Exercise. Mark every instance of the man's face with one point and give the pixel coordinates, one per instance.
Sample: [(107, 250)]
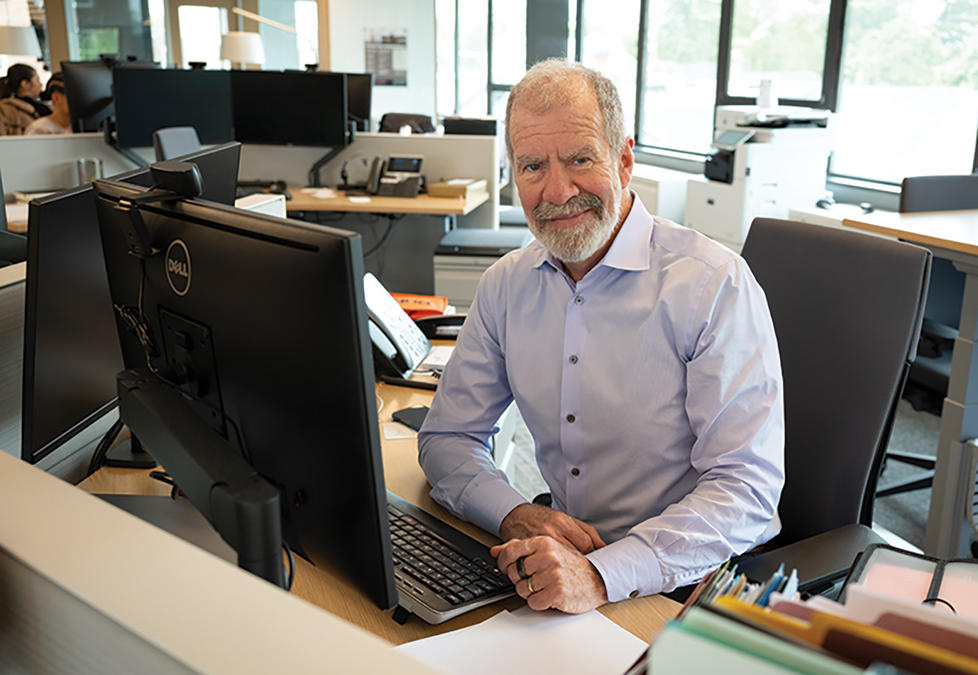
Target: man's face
[(569, 180)]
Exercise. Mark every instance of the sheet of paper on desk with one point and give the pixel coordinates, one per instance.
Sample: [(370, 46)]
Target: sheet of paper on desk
[(319, 193), (437, 357), (531, 642), (396, 430)]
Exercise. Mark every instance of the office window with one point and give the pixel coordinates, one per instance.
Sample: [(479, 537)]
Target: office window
[(445, 56), (781, 41), (201, 29), (609, 44), (124, 29), (680, 74), (909, 96), (473, 48), (508, 41), (307, 31)]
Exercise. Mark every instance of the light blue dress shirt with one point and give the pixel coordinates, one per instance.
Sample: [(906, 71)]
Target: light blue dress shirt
[(651, 387)]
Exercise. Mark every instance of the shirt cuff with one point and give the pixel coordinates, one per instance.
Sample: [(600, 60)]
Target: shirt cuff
[(489, 501), (629, 569)]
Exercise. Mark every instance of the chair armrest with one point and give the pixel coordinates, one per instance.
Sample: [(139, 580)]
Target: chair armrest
[(820, 559)]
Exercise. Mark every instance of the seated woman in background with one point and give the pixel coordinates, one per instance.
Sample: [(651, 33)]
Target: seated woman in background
[(59, 121), (18, 100)]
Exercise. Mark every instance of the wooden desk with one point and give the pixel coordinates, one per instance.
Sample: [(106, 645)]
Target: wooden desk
[(952, 235), (644, 617), (422, 204)]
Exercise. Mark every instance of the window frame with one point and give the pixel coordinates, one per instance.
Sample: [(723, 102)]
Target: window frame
[(831, 65), (831, 83)]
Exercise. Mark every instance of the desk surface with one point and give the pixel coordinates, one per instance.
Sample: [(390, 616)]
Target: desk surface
[(953, 230), (644, 617), (422, 204)]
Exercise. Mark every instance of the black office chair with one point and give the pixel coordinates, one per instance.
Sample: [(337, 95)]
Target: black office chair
[(931, 370), (419, 123), (839, 402), (174, 142)]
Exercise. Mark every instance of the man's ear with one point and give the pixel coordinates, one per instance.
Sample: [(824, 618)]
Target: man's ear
[(626, 162)]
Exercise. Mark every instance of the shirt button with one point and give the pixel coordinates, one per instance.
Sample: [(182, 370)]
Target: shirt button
[(571, 418), (633, 594), (579, 300), (573, 358), (575, 471)]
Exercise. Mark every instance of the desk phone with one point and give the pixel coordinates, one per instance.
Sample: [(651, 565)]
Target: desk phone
[(399, 345)]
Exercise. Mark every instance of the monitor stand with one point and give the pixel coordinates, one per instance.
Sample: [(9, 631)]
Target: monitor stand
[(129, 454)]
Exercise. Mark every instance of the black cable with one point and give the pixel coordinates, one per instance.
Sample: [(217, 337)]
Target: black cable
[(163, 477), (373, 249), (291, 558), (935, 600), (103, 447)]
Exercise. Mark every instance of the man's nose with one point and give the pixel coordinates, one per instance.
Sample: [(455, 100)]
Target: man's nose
[(559, 186)]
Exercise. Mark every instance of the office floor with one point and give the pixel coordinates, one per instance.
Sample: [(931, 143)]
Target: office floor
[(905, 515)]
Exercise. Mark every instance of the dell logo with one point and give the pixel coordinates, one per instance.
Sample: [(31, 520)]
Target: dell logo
[(178, 267)]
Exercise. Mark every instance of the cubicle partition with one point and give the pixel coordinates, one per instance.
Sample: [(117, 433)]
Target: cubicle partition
[(48, 163)]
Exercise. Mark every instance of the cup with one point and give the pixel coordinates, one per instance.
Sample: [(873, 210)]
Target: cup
[(88, 169)]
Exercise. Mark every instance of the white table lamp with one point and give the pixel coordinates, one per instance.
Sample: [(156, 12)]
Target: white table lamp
[(240, 48), (19, 41)]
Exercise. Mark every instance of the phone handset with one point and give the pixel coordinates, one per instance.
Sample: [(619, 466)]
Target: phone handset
[(399, 345)]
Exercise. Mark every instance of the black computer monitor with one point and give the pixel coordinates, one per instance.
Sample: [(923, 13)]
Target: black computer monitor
[(71, 350), (259, 324), (147, 100), (289, 108), (359, 92), (88, 87)]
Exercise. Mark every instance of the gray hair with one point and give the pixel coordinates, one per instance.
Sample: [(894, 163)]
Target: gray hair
[(549, 83)]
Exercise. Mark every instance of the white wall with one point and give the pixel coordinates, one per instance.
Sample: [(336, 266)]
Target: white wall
[(347, 21)]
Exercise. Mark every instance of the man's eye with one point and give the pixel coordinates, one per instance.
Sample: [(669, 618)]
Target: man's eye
[(580, 161), (531, 167)]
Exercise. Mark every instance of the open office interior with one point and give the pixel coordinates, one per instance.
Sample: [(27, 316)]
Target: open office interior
[(385, 119)]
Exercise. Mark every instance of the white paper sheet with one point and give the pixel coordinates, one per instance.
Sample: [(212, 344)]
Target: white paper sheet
[(437, 357), (531, 642), (395, 430)]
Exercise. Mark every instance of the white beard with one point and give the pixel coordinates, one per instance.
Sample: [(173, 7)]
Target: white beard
[(578, 243)]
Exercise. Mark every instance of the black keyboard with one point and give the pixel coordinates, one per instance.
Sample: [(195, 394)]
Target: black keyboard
[(433, 558)]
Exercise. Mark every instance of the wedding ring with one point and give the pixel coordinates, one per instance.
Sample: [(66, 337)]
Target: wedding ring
[(529, 585), (519, 568)]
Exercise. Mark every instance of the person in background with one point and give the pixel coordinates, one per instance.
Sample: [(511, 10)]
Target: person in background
[(19, 104), (642, 356), (59, 121)]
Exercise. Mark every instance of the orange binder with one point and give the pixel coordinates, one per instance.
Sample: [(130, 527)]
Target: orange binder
[(418, 306)]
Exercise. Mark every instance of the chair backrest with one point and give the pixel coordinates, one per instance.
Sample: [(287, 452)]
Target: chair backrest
[(941, 193), (174, 142), (419, 123), (847, 309)]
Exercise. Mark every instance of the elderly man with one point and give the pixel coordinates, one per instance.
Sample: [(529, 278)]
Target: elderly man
[(642, 357)]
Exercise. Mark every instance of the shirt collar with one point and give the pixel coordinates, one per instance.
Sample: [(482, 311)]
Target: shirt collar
[(629, 250)]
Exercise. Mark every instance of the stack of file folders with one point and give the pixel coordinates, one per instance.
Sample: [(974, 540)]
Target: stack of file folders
[(898, 612)]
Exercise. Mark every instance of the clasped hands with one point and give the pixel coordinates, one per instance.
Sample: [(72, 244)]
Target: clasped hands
[(551, 545)]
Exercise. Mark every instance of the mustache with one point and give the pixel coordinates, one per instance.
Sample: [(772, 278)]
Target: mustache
[(585, 200)]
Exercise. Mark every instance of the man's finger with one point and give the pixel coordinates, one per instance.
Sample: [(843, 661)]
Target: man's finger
[(592, 532)]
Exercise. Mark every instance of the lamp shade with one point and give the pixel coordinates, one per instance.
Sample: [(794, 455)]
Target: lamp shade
[(241, 47), (19, 41)]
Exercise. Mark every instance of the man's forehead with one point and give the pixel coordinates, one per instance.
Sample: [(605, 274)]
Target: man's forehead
[(559, 129)]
